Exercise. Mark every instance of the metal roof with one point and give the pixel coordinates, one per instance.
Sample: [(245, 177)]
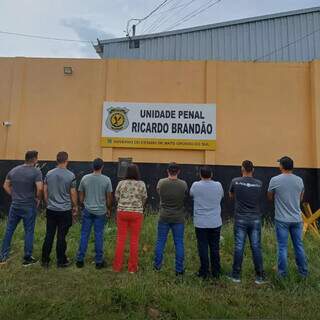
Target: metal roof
[(286, 36)]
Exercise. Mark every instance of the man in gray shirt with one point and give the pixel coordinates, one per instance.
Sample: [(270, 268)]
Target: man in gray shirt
[(207, 195), (60, 195), (95, 192), (24, 184), (287, 191)]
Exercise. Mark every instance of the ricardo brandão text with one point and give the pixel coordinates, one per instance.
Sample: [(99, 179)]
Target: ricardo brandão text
[(174, 127)]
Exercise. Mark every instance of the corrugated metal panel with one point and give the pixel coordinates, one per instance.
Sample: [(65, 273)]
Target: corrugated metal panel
[(281, 38)]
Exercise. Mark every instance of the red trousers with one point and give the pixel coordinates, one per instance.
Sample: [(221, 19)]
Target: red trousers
[(127, 222)]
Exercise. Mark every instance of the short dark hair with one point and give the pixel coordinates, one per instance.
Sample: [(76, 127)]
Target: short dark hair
[(133, 172), (97, 164), (62, 157), (206, 172), (31, 155), (286, 163), (247, 165), (173, 168)]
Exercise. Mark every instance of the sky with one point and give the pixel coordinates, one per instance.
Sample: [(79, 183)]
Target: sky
[(105, 19)]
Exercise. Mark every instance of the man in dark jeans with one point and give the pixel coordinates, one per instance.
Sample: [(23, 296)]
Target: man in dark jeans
[(172, 191), (207, 195), (246, 191), (24, 184), (60, 195)]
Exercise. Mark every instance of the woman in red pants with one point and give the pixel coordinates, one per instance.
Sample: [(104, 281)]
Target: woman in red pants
[(131, 195)]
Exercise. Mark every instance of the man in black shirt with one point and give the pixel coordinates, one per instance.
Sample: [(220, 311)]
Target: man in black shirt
[(246, 191)]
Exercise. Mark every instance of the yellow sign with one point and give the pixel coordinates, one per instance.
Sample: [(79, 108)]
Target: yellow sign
[(158, 143), (159, 126)]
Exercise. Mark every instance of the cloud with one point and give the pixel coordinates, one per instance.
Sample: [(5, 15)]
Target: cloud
[(85, 29), (89, 20)]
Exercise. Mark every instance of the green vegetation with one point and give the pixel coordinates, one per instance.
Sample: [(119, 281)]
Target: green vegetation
[(35, 293)]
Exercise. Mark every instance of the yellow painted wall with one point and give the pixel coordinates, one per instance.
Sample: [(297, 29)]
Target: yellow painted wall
[(6, 82), (264, 110)]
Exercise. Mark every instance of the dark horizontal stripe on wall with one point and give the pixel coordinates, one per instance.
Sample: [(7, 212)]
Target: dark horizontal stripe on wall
[(151, 173)]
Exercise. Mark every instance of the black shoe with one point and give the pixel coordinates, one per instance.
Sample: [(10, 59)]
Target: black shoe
[(28, 261), (45, 264), (179, 274), (65, 264), (100, 265), (79, 264), (157, 269)]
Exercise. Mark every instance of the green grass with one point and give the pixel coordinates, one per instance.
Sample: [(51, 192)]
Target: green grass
[(35, 293)]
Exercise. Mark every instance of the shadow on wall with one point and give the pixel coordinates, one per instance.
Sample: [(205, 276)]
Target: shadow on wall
[(151, 173)]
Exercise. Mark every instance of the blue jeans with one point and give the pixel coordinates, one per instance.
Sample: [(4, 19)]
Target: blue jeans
[(283, 229), (98, 222), (28, 216), (252, 229), (178, 235)]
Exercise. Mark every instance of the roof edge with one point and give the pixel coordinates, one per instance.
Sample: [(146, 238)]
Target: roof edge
[(215, 25)]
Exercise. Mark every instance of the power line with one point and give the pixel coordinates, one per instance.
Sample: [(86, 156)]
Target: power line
[(160, 16), (166, 19), (33, 36), (286, 45), (163, 3), (194, 13)]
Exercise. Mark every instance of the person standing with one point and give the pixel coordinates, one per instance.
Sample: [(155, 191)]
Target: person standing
[(60, 195), (287, 191), (95, 192), (207, 195), (131, 195), (172, 192), (247, 191), (24, 184)]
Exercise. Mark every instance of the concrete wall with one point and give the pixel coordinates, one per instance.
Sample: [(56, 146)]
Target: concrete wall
[(264, 110)]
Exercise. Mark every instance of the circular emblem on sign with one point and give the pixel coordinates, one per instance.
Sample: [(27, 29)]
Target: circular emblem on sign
[(117, 119)]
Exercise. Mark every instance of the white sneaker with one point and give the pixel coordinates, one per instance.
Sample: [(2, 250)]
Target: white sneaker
[(234, 279), (260, 281)]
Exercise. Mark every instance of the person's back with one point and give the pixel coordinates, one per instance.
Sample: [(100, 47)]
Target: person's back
[(23, 180), (60, 195), (247, 191), (247, 194), (131, 196), (207, 196), (287, 191), (95, 188), (59, 182), (95, 192), (24, 184), (172, 194)]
